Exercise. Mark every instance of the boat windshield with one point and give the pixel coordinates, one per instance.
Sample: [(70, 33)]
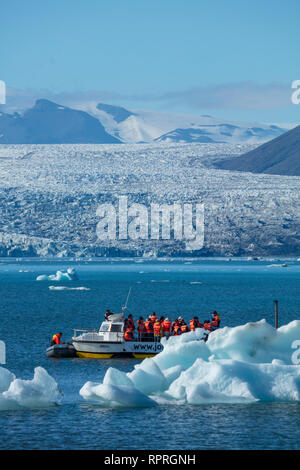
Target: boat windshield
[(112, 327), (104, 327), (116, 328)]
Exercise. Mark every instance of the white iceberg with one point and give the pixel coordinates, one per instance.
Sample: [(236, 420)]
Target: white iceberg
[(69, 275), (244, 364), (40, 392)]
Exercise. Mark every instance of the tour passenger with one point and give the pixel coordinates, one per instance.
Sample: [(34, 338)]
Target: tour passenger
[(56, 339), (141, 328)]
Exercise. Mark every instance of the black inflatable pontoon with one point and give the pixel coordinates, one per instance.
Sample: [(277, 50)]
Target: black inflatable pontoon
[(61, 350)]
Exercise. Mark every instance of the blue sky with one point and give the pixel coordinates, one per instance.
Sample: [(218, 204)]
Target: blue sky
[(227, 58)]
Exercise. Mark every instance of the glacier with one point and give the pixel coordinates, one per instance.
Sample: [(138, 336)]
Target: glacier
[(50, 194), (244, 364)]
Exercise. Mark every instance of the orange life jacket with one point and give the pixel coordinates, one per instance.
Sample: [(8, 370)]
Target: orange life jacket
[(206, 326), (131, 323), (157, 328), (195, 324), (148, 326), (184, 328), (140, 326), (177, 330), (166, 326), (56, 338), (215, 323), (128, 335)]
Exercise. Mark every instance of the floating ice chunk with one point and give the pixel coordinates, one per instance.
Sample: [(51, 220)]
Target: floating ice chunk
[(116, 377), (70, 275), (182, 351), (6, 377), (40, 392), (67, 288), (115, 396), (254, 342), (148, 378), (172, 374), (231, 381), (248, 363)]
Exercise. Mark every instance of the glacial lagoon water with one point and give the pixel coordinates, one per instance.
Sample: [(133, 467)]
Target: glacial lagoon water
[(240, 290)]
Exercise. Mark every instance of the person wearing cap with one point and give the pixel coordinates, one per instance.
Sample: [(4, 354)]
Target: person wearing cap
[(166, 326)]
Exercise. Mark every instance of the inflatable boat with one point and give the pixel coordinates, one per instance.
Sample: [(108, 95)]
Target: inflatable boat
[(61, 350)]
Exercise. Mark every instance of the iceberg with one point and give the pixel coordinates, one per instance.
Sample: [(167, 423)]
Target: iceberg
[(115, 396), (40, 392), (69, 275), (243, 364)]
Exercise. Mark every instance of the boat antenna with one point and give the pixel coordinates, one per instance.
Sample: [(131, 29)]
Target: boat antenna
[(124, 308)]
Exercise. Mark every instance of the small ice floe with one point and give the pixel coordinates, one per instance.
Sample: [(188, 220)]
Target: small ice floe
[(68, 288), (160, 280), (40, 392), (195, 282), (69, 275), (284, 265)]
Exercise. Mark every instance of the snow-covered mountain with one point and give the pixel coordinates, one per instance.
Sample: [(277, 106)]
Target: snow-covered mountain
[(48, 123), (147, 126), (51, 123)]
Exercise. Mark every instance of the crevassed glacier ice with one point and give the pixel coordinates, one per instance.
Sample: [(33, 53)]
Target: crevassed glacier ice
[(40, 392), (244, 364), (69, 275)]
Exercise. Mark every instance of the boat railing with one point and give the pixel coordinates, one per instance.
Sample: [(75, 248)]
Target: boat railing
[(80, 331)]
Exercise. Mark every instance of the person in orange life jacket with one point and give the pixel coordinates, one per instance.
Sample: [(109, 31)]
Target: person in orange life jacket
[(157, 328), (148, 330), (184, 327), (140, 328), (216, 317), (214, 324), (194, 323), (131, 322), (177, 329), (207, 325), (56, 339), (162, 319), (166, 326), (128, 334), (175, 323), (153, 317)]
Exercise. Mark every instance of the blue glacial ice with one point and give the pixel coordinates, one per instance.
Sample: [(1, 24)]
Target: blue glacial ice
[(40, 392), (69, 275), (244, 364)]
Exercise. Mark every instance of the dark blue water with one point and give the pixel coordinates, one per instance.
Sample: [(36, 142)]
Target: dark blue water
[(30, 313)]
